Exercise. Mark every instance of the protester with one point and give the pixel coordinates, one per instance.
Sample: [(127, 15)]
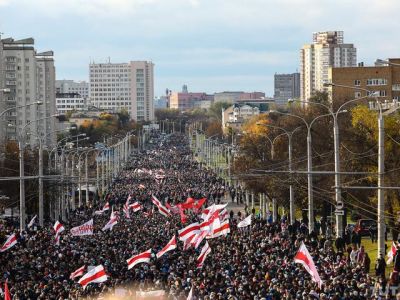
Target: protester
[(256, 262)]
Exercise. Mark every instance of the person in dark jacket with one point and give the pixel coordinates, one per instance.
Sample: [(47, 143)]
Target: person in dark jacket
[(396, 260), (380, 266)]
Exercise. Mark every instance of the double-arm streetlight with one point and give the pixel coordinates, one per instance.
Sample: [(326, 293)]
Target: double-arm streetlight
[(21, 144), (41, 142), (289, 135), (338, 192), (309, 165), (381, 163)]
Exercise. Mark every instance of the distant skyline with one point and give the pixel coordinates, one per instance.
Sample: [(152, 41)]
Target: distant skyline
[(210, 45)]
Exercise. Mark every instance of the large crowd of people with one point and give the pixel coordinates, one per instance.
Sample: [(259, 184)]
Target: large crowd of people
[(256, 262)]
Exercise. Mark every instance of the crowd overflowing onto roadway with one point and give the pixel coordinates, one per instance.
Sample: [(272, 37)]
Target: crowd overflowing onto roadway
[(255, 261)]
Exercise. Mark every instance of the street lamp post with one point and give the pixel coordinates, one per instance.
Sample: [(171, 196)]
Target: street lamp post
[(22, 173), (309, 166), (290, 147), (381, 164)]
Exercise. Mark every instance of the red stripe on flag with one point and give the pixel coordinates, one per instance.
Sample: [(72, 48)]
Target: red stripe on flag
[(93, 277)]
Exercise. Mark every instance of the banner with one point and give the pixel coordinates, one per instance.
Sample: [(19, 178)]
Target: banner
[(84, 229), (158, 294)]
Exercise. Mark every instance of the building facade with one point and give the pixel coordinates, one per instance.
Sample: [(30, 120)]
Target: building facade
[(235, 115), (286, 86), (30, 77), (327, 50), (127, 86), (161, 102), (187, 101), (69, 102), (382, 79), (71, 86), (228, 96)]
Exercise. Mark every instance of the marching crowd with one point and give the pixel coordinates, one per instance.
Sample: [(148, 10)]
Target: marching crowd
[(255, 262)]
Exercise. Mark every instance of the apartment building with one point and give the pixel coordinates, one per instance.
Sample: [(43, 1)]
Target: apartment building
[(130, 86), (286, 86), (30, 77), (70, 86), (384, 80), (327, 50), (70, 102)]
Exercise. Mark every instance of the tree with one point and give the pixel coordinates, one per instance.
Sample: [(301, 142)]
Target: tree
[(214, 128), (215, 111)]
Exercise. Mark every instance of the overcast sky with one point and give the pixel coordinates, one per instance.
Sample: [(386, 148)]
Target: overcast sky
[(210, 45)]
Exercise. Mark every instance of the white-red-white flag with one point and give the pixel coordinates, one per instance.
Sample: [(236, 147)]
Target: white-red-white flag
[(32, 221), (84, 229), (9, 243), (220, 230), (126, 207), (391, 253), (245, 222), (188, 231), (207, 212), (135, 206), (170, 246), (106, 206), (143, 257), (203, 255), (161, 208), (113, 221), (199, 238), (58, 228), (188, 242), (77, 273), (303, 257), (95, 275)]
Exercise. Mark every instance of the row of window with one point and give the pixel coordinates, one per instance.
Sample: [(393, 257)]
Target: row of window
[(15, 59), (70, 101), (372, 81), (381, 93), (109, 89), (109, 94), (113, 104), (70, 106)]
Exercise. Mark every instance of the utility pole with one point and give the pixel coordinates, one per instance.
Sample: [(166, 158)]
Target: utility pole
[(381, 195), (21, 186), (40, 183)]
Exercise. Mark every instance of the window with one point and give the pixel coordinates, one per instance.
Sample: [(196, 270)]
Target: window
[(396, 87), (357, 82), (377, 81)]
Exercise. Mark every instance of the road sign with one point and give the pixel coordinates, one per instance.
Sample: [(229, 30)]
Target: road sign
[(339, 212), (339, 205)]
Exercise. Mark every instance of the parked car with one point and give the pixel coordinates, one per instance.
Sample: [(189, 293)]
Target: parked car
[(363, 225)]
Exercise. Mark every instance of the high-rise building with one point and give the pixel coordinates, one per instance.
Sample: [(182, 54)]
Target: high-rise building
[(71, 86), (327, 50), (286, 86), (30, 77), (130, 86)]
